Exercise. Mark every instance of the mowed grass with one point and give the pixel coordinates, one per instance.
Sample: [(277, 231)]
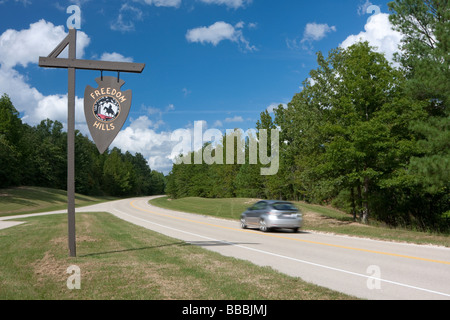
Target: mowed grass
[(230, 208), (23, 200), (315, 218), (119, 260)]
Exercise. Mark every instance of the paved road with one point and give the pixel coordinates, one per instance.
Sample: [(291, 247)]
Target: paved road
[(364, 268)]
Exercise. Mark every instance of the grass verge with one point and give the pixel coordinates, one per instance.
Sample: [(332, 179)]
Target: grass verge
[(23, 200), (315, 217), (119, 260)]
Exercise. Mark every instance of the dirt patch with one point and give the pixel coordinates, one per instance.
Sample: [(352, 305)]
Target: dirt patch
[(49, 266)]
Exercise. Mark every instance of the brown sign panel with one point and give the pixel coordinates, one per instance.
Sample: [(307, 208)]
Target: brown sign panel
[(106, 109)]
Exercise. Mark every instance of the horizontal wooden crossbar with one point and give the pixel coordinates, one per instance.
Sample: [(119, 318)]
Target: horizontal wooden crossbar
[(49, 62)]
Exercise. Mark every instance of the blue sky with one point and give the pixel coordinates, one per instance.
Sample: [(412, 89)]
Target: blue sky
[(221, 62)]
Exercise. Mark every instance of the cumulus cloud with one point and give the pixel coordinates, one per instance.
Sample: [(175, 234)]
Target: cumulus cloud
[(379, 33), (218, 32), (159, 148), (21, 48), (313, 32), (33, 105), (155, 147), (26, 46), (114, 56), (316, 32), (39, 40)]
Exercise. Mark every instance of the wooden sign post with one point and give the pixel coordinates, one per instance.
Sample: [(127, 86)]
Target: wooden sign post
[(72, 64)]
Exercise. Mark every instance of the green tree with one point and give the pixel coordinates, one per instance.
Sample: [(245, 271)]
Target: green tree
[(157, 183), (88, 170), (425, 59), (10, 153), (143, 173), (118, 175), (180, 179), (345, 129), (47, 155)]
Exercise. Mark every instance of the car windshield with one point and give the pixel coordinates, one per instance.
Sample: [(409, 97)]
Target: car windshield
[(284, 206)]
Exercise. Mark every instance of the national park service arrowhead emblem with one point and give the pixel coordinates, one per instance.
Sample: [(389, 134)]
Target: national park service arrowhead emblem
[(106, 109)]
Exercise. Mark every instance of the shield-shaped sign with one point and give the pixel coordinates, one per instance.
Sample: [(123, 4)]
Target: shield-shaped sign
[(106, 109)]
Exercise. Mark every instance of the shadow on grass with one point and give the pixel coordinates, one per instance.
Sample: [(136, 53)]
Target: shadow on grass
[(180, 244), (135, 249)]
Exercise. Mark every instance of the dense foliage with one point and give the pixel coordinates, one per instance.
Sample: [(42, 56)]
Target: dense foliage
[(37, 156), (363, 135)]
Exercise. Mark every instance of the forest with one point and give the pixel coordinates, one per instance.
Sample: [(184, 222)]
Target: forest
[(365, 135), (37, 156)]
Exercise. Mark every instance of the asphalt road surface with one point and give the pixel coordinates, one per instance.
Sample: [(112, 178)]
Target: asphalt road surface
[(369, 269)]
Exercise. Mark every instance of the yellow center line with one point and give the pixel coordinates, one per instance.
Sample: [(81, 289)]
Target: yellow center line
[(293, 239)]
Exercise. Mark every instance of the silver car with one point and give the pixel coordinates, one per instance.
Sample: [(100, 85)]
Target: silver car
[(272, 214)]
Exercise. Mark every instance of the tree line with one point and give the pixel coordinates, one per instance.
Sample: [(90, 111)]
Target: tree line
[(37, 156), (362, 135)]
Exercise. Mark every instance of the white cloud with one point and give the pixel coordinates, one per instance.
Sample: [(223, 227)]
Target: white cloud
[(160, 149), (23, 48), (235, 4), (379, 33), (34, 106), (114, 56), (234, 119), (213, 34), (26, 46), (155, 147), (316, 32), (145, 122), (218, 32), (313, 32)]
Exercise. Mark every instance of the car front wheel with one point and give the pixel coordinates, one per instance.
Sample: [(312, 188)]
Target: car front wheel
[(243, 224)]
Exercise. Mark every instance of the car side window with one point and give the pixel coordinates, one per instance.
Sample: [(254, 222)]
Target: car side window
[(259, 206), (263, 206)]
